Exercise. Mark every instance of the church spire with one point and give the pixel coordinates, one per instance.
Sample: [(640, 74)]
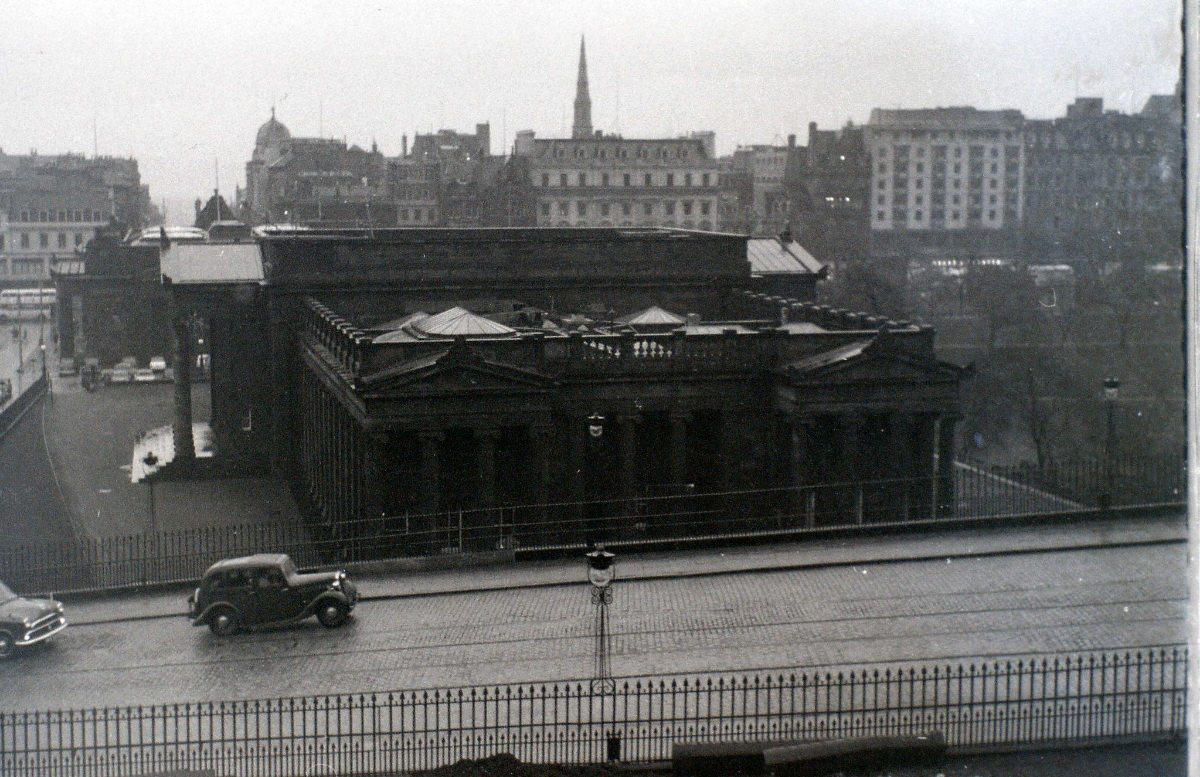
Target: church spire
[(583, 101)]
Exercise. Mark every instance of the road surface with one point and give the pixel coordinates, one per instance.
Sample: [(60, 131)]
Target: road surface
[(956, 609)]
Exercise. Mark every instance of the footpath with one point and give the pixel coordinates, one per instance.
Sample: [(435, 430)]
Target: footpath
[(387, 581)]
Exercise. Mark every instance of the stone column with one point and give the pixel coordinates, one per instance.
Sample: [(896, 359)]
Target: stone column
[(486, 529), (900, 445), (852, 424), (427, 523), (679, 422), (185, 445), (944, 474), (577, 441), (627, 443), (801, 500), (534, 522), (374, 481)]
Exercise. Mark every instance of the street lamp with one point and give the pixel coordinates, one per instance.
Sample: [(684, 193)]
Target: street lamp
[(1112, 387), (601, 571), (42, 348)]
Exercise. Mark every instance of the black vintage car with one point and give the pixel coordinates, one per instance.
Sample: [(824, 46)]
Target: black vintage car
[(267, 589), (27, 621)]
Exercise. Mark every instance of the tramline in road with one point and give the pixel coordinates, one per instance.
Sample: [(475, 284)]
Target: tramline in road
[(958, 608)]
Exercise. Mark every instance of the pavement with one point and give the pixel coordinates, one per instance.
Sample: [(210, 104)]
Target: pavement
[(382, 581)]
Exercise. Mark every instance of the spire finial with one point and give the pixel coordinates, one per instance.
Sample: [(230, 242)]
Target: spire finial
[(583, 101)]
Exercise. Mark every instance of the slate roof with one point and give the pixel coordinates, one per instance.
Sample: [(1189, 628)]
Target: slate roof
[(460, 322), (652, 316), (771, 256), (213, 263)]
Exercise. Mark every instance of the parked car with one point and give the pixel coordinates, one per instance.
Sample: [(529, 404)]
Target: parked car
[(267, 589), (144, 375), (119, 374), (158, 363), (67, 366), (27, 621), (6, 390)]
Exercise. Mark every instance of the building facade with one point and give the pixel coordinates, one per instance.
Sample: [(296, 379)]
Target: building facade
[(593, 179), (427, 380), (53, 205), (319, 181), (1101, 184)]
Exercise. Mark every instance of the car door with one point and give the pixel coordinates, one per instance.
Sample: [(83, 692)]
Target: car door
[(273, 599)]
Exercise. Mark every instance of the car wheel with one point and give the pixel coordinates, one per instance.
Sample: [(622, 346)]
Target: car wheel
[(332, 613), (7, 644), (223, 622)]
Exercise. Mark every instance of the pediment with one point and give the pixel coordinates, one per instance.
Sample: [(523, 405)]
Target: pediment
[(868, 362), (455, 370)]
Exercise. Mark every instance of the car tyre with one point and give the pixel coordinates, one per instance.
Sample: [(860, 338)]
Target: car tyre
[(332, 613), (223, 622), (7, 644)]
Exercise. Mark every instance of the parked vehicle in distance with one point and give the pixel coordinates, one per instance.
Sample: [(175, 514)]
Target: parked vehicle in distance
[(158, 363), (120, 374), (5, 390), (67, 366), (267, 589), (144, 375), (25, 622)]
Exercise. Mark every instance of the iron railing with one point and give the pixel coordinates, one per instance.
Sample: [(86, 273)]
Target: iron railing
[(663, 516), (1019, 700)]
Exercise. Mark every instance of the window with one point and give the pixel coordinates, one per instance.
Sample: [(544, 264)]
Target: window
[(562, 179), (545, 209), (545, 179), (955, 215), (1, 243), (583, 179), (920, 167), (43, 240), (687, 207), (883, 167), (628, 179), (648, 209), (918, 215), (62, 239), (604, 209), (604, 179), (581, 208), (879, 215), (687, 179), (669, 207), (670, 179), (991, 215), (62, 215), (24, 240), (704, 179), (648, 180), (626, 208), (880, 200), (562, 208), (704, 209)]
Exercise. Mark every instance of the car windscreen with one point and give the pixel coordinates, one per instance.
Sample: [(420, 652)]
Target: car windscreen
[(289, 568), (6, 593)]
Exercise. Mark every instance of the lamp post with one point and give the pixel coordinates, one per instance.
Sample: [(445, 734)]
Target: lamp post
[(601, 571), (1112, 387), (591, 465)]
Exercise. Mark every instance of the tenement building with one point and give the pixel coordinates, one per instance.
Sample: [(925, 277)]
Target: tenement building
[(429, 383), (52, 205), (593, 179), (319, 181), (945, 179), (1102, 185)]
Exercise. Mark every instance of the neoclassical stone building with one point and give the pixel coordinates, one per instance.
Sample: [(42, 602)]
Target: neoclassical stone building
[(403, 379)]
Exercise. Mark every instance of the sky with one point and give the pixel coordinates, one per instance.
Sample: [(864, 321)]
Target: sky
[(183, 86)]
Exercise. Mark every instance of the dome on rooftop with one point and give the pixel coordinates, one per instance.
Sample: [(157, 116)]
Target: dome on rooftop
[(272, 132)]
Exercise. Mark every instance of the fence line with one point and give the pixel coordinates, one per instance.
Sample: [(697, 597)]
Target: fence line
[(180, 556), (1018, 700)]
